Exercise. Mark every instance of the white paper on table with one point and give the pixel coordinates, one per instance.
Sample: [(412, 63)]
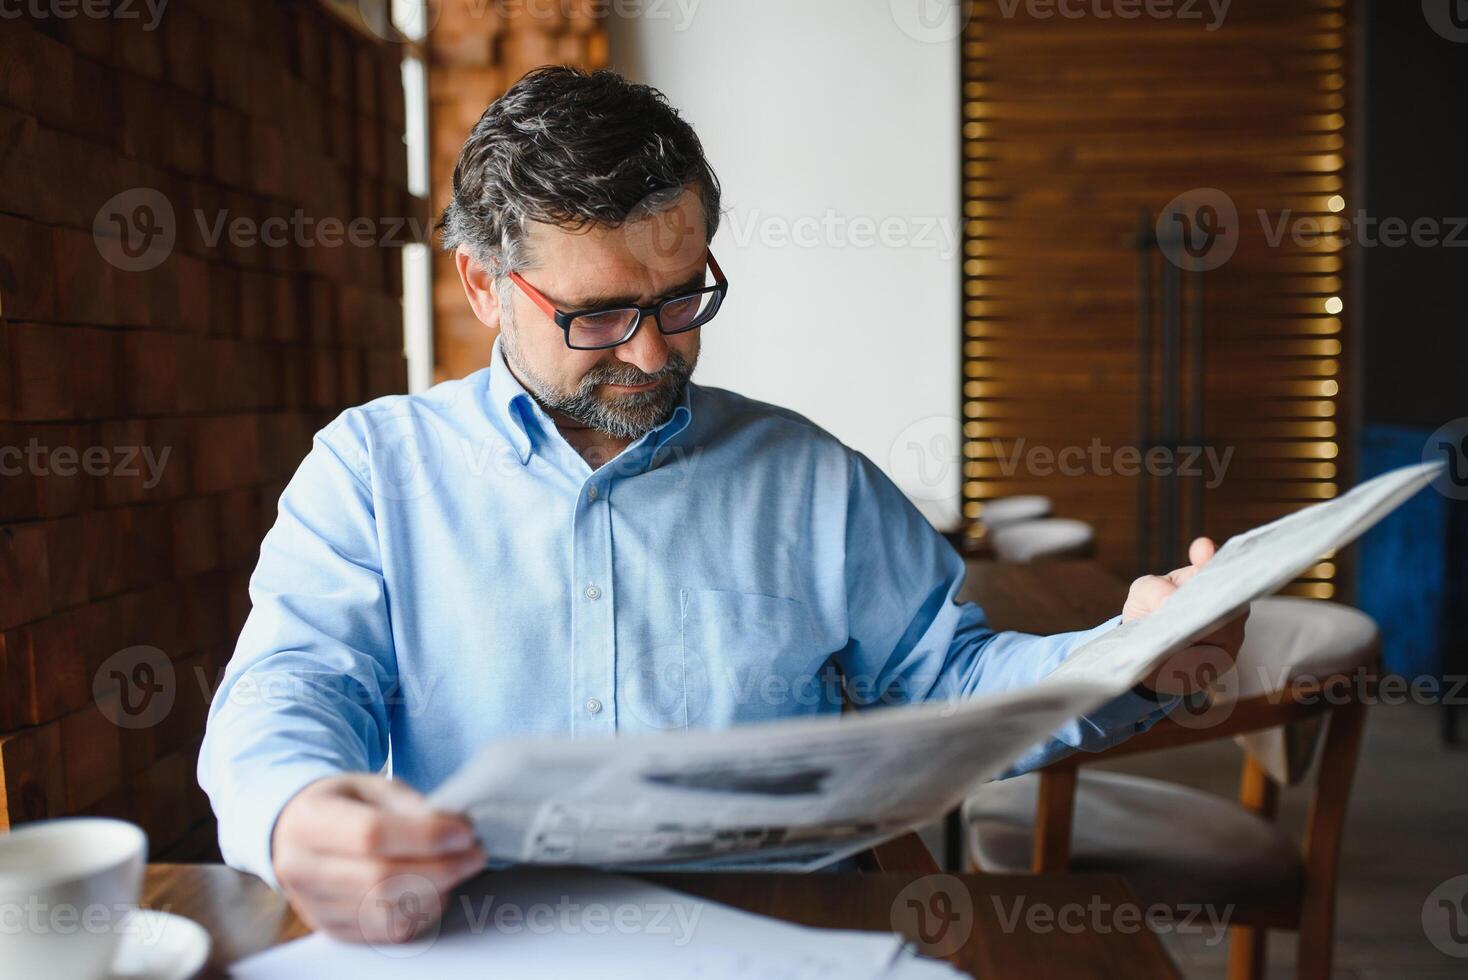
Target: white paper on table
[(537, 923), (911, 966), (804, 792)]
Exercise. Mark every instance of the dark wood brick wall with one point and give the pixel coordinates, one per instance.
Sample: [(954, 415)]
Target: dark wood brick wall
[(225, 355)]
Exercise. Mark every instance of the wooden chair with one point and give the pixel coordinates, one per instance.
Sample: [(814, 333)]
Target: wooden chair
[(904, 854), (1299, 686)]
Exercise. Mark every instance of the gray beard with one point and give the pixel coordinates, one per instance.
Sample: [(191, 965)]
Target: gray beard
[(629, 416)]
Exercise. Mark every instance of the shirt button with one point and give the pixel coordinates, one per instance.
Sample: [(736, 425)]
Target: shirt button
[(591, 493), (593, 593), (593, 706)]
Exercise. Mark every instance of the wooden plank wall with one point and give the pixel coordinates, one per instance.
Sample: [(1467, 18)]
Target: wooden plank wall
[(1073, 126)]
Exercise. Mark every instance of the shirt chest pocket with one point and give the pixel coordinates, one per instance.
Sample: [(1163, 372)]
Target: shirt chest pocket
[(737, 657), (746, 656)]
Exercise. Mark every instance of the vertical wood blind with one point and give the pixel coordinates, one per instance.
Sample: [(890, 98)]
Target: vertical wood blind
[(1076, 130)]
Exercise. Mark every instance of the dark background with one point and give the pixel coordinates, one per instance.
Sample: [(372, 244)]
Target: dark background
[(1413, 344), (1416, 166)]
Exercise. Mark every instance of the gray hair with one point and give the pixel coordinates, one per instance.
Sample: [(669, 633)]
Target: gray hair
[(571, 149)]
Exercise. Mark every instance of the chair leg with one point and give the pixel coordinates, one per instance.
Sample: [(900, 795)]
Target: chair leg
[(1246, 948), (903, 854), (1054, 814), (1323, 828), (1257, 791), (1314, 955), (953, 840)]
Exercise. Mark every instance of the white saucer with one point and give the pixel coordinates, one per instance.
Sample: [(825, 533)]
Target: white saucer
[(159, 946)]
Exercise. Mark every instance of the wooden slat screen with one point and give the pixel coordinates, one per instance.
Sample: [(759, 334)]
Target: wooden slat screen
[(1073, 127)]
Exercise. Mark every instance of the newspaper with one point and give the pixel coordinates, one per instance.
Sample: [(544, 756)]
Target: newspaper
[(789, 793), (1253, 564), (802, 793)]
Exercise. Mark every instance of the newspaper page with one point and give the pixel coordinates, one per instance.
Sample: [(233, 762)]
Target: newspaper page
[(804, 792), (792, 794)]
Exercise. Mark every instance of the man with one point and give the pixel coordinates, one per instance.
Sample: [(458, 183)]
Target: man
[(575, 539)]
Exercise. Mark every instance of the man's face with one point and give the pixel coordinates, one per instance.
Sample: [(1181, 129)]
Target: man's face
[(627, 390)]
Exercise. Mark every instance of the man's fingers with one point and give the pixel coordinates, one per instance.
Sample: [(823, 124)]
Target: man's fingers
[(1200, 552), (365, 858), (387, 793), (334, 879), (1145, 595), (371, 905), (424, 833), (1179, 576), (1150, 591), (351, 826), (421, 829), (370, 899)]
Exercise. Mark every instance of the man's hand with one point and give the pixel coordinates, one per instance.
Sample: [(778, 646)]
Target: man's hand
[(1211, 657), (364, 859)]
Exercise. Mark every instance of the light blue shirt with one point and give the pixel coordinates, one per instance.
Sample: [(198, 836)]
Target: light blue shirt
[(446, 571)]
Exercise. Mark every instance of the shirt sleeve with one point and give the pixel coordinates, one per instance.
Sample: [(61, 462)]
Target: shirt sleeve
[(911, 640), (304, 695)]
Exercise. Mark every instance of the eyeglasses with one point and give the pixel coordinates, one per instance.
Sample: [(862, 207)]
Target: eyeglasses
[(613, 326)]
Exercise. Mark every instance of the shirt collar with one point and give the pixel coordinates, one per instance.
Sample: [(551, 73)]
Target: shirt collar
[(521, 420)]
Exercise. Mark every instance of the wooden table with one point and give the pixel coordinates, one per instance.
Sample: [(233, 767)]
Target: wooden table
[(1044, 597), (1021, 926)]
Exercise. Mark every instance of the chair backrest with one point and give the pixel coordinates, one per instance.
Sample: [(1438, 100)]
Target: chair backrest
[(1003, 511), (1289, 641), (1047, 539)]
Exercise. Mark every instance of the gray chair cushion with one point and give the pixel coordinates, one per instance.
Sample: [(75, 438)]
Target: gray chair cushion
[(1175, 845), (1047, 539), (1287, 640), (1011, 510)]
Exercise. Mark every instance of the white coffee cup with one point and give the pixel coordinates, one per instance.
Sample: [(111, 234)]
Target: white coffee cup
[(66, 887)]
